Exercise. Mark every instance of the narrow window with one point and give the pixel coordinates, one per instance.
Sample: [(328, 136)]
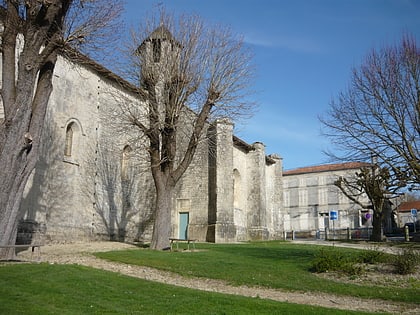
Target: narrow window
[(125, 161), (237, 193), (156, 49), (69, 140)]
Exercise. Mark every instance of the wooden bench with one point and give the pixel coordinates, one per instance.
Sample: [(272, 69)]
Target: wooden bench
[(181, 240), (26, 246)]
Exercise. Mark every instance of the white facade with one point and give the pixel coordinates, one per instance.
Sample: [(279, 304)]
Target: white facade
[(309, 195)]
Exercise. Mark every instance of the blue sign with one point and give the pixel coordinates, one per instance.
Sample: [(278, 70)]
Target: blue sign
[(414, 212), (333, 215)]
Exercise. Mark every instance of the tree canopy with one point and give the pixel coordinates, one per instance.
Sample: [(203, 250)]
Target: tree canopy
[(378, 115), (189, 74)]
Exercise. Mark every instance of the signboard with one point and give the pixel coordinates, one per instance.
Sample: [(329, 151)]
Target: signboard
[(414, 213), (333, 215)]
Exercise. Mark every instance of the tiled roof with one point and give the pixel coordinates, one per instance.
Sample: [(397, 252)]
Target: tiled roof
[(408, 205), (326, 168)]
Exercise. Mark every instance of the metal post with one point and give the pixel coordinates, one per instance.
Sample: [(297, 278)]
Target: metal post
[(407, 234)]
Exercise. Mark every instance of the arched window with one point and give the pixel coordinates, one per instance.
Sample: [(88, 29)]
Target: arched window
[(72, 141), (237, 187), (125, 162), (69, 139)]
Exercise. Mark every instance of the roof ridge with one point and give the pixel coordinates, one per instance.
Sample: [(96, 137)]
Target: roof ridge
[(326, 168)]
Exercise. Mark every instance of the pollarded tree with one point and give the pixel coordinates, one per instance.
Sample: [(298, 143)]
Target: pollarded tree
[(34, 33), (188, 74), (379, 114), (374, 183)]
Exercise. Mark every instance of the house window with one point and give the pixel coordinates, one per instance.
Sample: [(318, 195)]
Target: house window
[(303, 197), (323, 196), (69, 139), (286, 198)]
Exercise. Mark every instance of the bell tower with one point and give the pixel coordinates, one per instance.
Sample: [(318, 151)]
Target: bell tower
[(159, 54)]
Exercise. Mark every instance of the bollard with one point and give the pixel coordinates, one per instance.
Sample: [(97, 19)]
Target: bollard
[(407, 234), (293, 235), (348, 234)]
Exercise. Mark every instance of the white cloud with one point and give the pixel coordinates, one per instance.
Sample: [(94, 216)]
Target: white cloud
[(296, 44)]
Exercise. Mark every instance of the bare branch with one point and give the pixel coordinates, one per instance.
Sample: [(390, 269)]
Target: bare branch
[(379, 113), (191, 74), (94, 26)]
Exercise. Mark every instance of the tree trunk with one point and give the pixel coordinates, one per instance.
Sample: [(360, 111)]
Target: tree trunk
[(19, 151), (162, 224), (16, 166), (377, 225)]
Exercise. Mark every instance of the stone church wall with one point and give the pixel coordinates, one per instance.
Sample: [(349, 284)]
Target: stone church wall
[(102, 191), (59, 193), (192, 196), (273, 183), (80, 197), (241, 183), (221, 222)]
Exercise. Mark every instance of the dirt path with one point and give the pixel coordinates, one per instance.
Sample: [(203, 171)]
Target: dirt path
[(81, 253)]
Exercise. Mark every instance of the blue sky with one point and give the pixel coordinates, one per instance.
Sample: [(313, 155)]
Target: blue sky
[(304, 51)]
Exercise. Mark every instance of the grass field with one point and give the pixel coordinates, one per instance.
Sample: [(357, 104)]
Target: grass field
[(69, 289), (271, 264), (72, 289)]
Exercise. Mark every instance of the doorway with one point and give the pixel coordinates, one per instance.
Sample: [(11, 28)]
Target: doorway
[(184, 218)]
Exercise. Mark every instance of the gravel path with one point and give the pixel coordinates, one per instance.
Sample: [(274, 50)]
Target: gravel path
[(81, 253)]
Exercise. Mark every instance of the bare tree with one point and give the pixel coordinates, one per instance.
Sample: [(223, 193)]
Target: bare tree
[(188, 75), (379, 114), (34, 33)]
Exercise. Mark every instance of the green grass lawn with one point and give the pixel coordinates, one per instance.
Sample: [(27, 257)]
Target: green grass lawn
[(71, 289), (271, 264)]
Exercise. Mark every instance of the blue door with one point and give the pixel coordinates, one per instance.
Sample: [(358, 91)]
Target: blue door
[(183, 225)]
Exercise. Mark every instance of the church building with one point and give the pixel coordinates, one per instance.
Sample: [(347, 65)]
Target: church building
[(91, 183)]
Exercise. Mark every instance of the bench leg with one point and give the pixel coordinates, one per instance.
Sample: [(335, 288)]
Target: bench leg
[(39, 252)]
